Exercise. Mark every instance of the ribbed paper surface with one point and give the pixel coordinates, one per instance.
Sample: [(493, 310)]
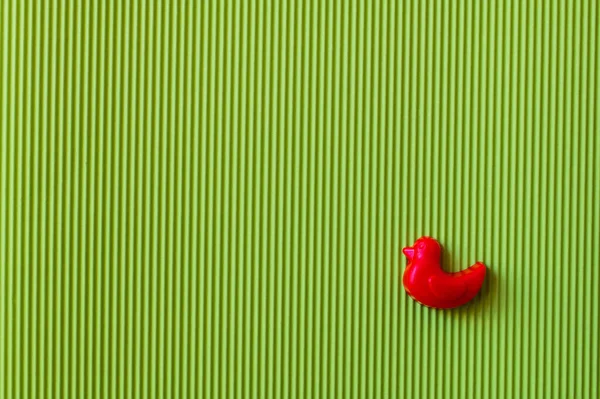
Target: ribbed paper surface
[(209, 199)]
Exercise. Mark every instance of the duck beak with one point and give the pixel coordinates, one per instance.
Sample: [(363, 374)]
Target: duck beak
[(408, 252)]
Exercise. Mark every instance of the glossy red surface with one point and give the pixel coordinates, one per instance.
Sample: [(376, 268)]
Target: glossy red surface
[(428, 284)]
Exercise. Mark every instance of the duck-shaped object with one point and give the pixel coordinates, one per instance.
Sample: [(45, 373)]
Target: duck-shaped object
[(428, 284)]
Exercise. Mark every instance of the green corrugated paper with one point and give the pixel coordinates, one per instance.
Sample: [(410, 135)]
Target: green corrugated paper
[(208, 199)]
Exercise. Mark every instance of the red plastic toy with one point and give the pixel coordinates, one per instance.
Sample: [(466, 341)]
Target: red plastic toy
[(428, 284)]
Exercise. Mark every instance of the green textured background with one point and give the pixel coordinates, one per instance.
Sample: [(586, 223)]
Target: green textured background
[(208, 199)]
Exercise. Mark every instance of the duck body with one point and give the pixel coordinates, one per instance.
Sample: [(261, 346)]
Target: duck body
[(426, 282)]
